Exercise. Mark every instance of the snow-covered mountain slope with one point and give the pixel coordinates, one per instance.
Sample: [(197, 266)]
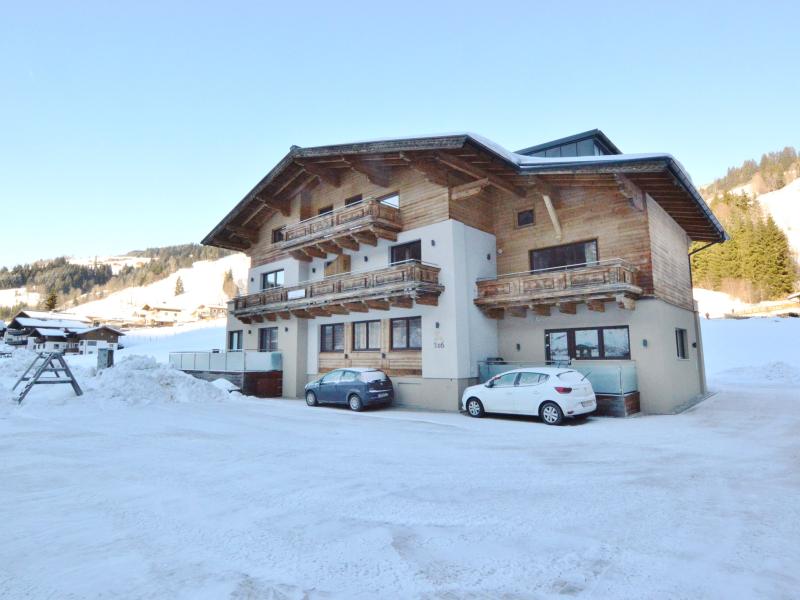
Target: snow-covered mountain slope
[(717, 304), (784, 206), (117, 263), (14, 296), (202, 284)]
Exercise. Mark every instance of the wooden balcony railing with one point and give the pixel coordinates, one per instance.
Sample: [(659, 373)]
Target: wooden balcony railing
[(562, 287), (344, 228), (400, 284)]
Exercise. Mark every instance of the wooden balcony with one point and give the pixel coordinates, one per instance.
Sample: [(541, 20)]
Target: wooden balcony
[(562, 288), (399, 285), (344, 228)]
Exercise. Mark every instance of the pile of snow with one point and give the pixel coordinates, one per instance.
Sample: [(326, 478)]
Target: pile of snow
[(202, 283), (158, 342)]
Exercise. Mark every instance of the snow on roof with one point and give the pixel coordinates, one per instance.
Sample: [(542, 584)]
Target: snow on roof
[(51, 323), (90, 329), (49, 332), (41, 314)]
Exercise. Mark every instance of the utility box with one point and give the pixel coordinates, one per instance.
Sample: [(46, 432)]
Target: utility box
[(105, 358)]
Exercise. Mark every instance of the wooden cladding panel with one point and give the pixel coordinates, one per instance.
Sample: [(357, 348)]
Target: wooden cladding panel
[(585, 214), (421, 203), (672, 279), (396, 362)]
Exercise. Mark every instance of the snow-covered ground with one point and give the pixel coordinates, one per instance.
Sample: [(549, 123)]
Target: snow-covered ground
[(784, 206), (717, 304), (14, 296), (202, 283), (156, 485)]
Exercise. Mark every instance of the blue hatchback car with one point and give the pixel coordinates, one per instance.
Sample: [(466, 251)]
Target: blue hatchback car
[(356, 387)]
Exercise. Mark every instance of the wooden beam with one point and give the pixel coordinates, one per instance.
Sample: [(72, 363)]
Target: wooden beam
[(567, 308), (284, 314), (347, 242), (233, 245), (271, 316), (630, 191), (548, 203), (249, 233), (300, 255), (305, 185), (479, 173), (314, 251), (329, 247), (281, 206), (542, 310), (329, 176), (366, 237), (301, 313), (378, 304), (338, 309), (427, 299), (356, 306), (402, 302), (494, 313), (429, 168), (245, 320), (318, 311), (596, 305), (467, 190), (258, 318), (378, 174), (626, 303), (517, 311)]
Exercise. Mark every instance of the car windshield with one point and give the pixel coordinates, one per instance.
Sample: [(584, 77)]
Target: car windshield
[(369, 376)]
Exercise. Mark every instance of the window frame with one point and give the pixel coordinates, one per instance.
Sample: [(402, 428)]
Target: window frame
[(333, 349), (523, 225), (682, 343), (383, 200), (531, 255), (277, 234), (407, 321), (266, 274), (352, 200), (410, 244), (273, 341), (237, 334), (570, 331), (370, 347), (325, 210)]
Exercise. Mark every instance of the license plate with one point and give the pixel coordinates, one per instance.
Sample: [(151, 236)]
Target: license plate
[(587, 403), (383, 395)]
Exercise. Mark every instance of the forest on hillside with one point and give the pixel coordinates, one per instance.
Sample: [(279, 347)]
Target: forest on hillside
[(775, 169), (756, 263), (61, 283)]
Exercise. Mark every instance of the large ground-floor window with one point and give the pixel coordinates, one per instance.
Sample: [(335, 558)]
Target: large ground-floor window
[(268, 339), (331, 338), (587, 343), (407, 333), (366, 335)]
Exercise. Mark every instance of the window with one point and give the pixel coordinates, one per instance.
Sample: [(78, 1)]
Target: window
[(567, 255), (331, 338), (277, 235), (681, 343), (268, 339), (367, 335), (505, 380), (325, 210), (407, 333), (531, 378), (332, 377), (235, 341), (525, 218), (391, 200), (409, 251), (589, 343), (352, 200), (272, 279), (348, 376), (91, 343)]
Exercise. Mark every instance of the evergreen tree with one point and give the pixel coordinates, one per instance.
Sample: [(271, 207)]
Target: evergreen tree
[(179, 287), (228, 285), (52, 300)]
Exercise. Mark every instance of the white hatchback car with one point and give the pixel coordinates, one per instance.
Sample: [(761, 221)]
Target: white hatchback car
[(548, 392)]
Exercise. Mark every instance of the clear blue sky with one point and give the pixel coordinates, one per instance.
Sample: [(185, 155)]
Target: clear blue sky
[(123, 127)]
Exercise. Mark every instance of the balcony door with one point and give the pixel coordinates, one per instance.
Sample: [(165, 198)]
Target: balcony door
[(337, 266), (405, 252), (564, 256)]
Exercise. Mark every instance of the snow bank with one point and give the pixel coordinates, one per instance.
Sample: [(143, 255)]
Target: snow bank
[(717, 304)]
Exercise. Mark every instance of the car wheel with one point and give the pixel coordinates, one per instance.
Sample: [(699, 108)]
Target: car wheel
[(355, 402), (311, 399), (475, 408), (551, 413)]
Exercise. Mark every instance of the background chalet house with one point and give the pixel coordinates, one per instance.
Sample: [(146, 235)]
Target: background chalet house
[(427, 256), (64, 332)]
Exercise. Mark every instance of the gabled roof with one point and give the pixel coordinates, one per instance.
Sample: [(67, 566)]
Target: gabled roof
[(50, 315), (657, 174), (29, 323)]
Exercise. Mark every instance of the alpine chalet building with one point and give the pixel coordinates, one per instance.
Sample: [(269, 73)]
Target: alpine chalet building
[(434, 257)]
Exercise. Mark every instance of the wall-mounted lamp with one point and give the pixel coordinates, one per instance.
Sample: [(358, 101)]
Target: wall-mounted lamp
[(286, 329), (488, 257), (366, 259), (518, 347), (437, 324), (313, 269), (694, 344), (644, 342), (433, 242), (252, 279)]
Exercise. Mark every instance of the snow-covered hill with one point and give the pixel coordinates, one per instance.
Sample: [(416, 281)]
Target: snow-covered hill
[(202, 284), (784, 206), (14, 296)]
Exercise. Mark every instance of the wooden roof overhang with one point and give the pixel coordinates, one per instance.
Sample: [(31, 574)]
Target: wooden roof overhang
[(463, 163)]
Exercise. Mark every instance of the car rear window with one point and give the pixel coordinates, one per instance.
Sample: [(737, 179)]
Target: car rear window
[(570, 376), (368, 376)]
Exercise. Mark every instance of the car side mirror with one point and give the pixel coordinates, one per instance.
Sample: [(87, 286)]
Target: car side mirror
[(490, 383)]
